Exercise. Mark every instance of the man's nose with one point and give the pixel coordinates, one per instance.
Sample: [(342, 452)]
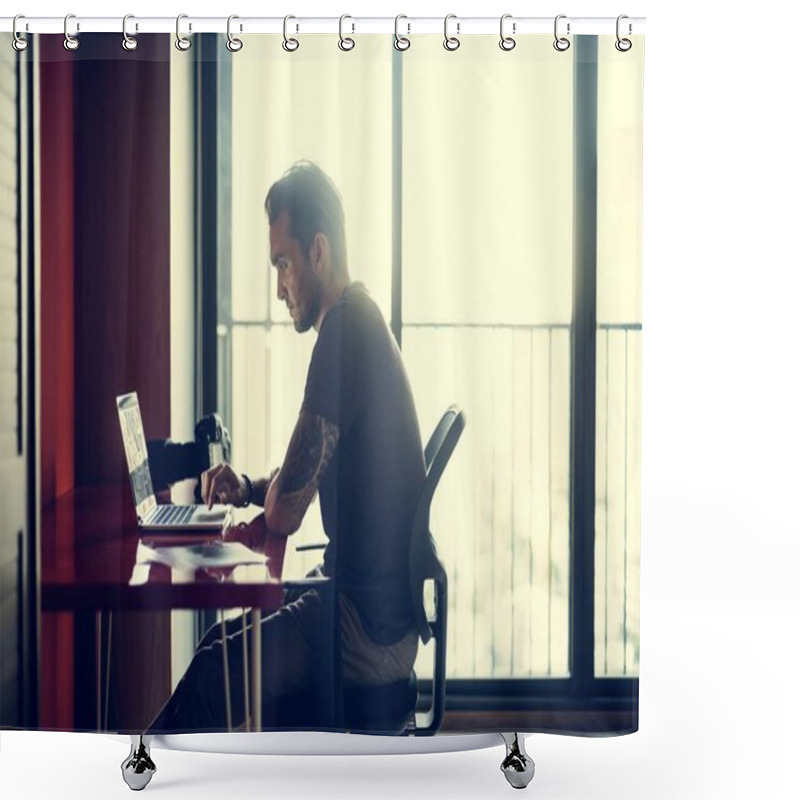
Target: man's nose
[(281, 289)]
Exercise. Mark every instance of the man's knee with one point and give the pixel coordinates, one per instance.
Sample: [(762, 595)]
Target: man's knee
[(214, 633), (290, 647)]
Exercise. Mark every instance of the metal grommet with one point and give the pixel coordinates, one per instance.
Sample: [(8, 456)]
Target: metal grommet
[(561, 43), (19, 43), (233, 44), (623, 45), (451, 42), (506, 42), (401, 42), (345, 42), (70, 42), (289, 44), (182, 42), (128, 42)]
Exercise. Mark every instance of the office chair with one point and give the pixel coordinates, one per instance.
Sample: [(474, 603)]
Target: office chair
[(392, 708)]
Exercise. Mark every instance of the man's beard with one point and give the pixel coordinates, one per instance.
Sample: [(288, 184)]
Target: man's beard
[(311, 312)]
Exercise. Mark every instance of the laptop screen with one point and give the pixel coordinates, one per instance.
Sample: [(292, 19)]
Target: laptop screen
[(130, 420)]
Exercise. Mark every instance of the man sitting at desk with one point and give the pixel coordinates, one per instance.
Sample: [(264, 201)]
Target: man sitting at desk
[(357, 443)]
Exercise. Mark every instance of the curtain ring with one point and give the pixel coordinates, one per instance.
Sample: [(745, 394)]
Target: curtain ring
[(561, 43), (19, 43), (451, 42), (289, 44), (623, 45), (401, 42), (346, 43), (233, 44), (506, 42), (70, 42), (181, 42), (128, 42)]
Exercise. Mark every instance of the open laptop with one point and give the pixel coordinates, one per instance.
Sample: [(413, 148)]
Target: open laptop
[(171, 518)]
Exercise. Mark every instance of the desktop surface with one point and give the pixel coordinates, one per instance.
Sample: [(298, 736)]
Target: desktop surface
[(91, 558)]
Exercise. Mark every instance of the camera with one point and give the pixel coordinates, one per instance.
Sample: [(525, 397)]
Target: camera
[(171, 462)]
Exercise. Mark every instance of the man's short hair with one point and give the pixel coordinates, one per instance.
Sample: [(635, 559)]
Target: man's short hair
[(314, 206)]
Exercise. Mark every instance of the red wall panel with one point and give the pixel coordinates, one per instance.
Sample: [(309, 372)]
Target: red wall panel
[(104, 202), (56, 182)]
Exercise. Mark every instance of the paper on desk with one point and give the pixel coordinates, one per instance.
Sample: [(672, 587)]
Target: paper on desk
[(201, 555)]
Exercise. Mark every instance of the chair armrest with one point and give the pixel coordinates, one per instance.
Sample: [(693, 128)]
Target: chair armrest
[(312, 546)]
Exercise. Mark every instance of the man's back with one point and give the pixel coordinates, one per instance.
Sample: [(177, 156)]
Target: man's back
[(369, 492)]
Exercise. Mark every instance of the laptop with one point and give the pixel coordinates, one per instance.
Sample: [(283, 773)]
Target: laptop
[(151, 516)]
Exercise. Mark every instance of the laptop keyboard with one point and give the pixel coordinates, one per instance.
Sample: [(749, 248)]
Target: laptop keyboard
[(172, 515)]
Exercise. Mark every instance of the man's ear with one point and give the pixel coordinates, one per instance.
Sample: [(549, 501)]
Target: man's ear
[(319, 256)]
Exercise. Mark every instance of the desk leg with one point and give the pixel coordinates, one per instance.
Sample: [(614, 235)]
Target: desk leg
[(226, 672), (102, 688), (245, 665), (256, 669)]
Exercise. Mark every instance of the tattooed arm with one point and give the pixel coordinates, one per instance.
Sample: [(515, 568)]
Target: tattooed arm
[(293, 488)]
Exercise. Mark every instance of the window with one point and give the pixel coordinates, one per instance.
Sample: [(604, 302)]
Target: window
[(619, 369), (487, 306), (465, 211)]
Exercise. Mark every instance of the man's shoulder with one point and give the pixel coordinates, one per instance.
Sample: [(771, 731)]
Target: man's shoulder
[(356, 296), (356, 326), (357, 309)]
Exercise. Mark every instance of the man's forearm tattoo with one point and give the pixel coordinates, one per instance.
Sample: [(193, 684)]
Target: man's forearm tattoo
[(310, 450)]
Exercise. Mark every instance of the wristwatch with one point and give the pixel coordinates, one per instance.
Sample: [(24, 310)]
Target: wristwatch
[(248, 490)]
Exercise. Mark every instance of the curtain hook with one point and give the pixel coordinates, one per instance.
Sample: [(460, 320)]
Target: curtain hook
[(70, 42), (623, 45), (451, 42), (128, 42), (401, 42), (561, 43), (19, 43), (346, 43), (233, 44), (289, 44), (506, 42), (181, 42)]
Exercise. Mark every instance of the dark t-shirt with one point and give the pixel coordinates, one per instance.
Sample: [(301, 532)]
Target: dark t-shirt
[(369, 492)]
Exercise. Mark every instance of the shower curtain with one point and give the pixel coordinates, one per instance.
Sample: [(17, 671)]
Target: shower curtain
[(492, 225)]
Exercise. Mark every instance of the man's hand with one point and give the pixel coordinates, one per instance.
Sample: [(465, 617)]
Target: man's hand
[(222, 484)]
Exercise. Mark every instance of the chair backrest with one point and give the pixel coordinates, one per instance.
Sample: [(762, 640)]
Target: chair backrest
[(444, 426), (425, 563)]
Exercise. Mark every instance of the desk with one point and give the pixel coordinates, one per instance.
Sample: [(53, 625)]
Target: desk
[(89, 543)]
